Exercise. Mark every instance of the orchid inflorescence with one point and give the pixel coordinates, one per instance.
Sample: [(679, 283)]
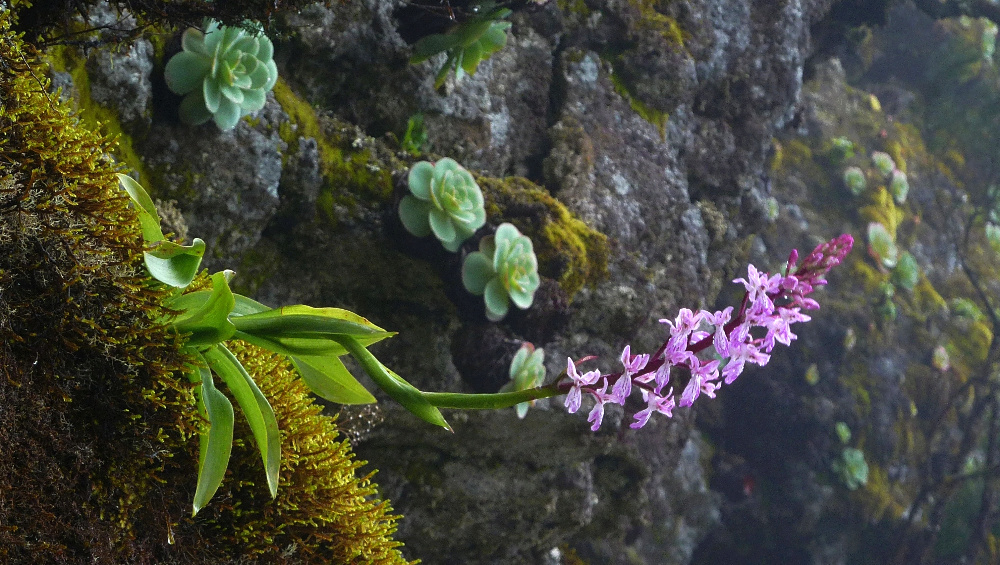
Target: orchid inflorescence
[(699, 342)]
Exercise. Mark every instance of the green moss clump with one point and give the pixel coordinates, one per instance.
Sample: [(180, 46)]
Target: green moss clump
[(656, 117), (567, 249), (97, 422), (355, 172)]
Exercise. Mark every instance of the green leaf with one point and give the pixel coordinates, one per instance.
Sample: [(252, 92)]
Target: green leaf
[(185, 71), (431, 45), (214, 445), (476, 272), (329, 378), (497, 300), (245, 306), (300, 346), (400, 390), (206, 320), (414, 215), (175, 264), (149, 220), (308, 322), (255, 407)]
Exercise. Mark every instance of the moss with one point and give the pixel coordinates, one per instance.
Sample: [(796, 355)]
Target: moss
[(882, 209), (653, 21), (567, 249), (95, 117), (656, 117), (882, 498), (97, 424), (355, 170)]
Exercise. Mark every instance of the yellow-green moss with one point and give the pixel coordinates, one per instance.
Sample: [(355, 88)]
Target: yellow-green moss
[(567, 249), (882, 498), (653, 21), (94, 116), (652, 115), (352, 169), (882, 209)]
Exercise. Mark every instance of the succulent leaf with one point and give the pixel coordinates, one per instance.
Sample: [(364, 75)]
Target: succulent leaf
[(452, 203), (226, 70)]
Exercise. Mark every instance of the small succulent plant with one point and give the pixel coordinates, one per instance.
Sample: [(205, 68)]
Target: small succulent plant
[(906, 273), (223, 74), (841, 149), (854, 180), (466, 44), (899, 186), (527, 370), (504, 269), (852, 468), (883, 162), (882, 246), (445, 201)]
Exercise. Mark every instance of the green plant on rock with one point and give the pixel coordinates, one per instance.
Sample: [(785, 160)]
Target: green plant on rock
[(882, 246), (223, 74), (841, 149), (527, 370), (415, 137), (851, 466), (899, 186), (504, 269), (906, 273), (883, 162), (466, 44), (313, 338), (445, 201), (854, 180)]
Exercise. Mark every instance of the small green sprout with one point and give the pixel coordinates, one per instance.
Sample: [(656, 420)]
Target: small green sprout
[(854, 180), (881, 245), (223, 74), (899, 186), (527, 370), (415, 137), (965, 308), (505, 268), (466, 44), (883, 162), (446, 201)]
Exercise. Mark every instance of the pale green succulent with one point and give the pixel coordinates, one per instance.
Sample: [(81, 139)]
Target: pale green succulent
[(504, 269), (223, 74), (906, 273), (899, 186), (852, 468), (883, 162), (446, 201), (881, 245), (854, 180), (527, 370)]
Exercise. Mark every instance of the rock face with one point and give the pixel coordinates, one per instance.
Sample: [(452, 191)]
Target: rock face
[(649, 121)]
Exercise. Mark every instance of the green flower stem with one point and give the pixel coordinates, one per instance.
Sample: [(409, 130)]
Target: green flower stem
[(490, 401)]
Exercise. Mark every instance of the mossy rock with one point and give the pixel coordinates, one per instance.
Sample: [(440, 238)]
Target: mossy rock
[(567, 249), (96, 421)]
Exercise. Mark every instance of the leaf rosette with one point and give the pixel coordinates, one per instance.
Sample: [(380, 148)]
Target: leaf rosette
[(504, 269), (223, 74), (445, 201)]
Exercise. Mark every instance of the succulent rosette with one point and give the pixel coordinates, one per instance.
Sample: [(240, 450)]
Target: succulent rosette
[(504, 269), (527, 370), (223, 74), (445, 201)]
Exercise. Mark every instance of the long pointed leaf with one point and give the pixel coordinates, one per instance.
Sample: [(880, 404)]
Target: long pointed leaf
[(300, 319), (149, 220), (329, 378), (400, 390), (246, 306), (255, 407), (206, 320), (215, 445), (301, 346)]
